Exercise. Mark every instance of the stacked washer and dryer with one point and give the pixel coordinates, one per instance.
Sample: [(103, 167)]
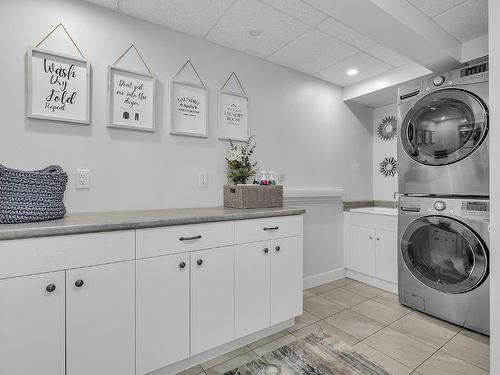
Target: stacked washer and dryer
[(443, 219)]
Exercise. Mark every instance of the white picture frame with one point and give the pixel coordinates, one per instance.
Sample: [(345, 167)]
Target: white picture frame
[(138, 113), (58, 87), (188, 109), (233, 116)]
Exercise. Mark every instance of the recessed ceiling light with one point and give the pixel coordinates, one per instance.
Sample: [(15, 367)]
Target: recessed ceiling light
[(352, 72), (255, 33)]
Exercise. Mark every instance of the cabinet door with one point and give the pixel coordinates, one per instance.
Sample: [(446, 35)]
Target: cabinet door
[(386, 266), (212, 298), (252, 287), (286, 279), (100, 320), (32, 325), (162, 330), (362, 250)]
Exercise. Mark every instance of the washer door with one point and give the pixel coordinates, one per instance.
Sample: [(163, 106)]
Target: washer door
[(444, 254), (444, 127)]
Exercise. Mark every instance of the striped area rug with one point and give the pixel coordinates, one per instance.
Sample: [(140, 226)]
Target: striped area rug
[(316, 354)]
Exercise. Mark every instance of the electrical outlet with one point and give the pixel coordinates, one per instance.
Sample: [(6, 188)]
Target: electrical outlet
[(281, 178), (83, 179), (203, 180)]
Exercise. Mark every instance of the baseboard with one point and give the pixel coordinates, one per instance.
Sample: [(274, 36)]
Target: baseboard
[(323, 278), (226, 348), (373, 281)]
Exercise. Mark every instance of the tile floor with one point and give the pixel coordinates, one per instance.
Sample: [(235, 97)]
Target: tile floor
[(371, 320)]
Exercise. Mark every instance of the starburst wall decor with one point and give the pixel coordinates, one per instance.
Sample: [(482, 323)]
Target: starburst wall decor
[(388, 167), (388, 128)]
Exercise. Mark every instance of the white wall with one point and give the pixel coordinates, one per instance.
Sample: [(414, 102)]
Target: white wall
[(494, 75), (303, 128), (383, 187)]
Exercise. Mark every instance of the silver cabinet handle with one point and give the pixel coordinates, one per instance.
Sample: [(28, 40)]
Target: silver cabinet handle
[(270, 228), (190, 238)]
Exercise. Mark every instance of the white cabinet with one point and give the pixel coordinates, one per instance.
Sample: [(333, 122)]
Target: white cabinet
[(286, 279), (212, 298), (162, 323), (100, 320), (371, 251), (386, 256), (362, 251), (252, 287), (133, 302), (32, 325)]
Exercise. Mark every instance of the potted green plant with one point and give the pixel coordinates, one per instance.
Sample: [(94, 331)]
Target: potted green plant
[(239, 165)]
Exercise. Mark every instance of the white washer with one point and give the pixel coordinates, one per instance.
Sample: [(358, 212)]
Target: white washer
[(443, 134), (443, 259)]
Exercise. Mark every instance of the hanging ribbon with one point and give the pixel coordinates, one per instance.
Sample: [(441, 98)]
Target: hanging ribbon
[(138, 53), (67, 33), (237, 80)]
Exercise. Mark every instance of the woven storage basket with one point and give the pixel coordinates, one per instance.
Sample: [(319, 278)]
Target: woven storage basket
[(253, 196), (28, 196)]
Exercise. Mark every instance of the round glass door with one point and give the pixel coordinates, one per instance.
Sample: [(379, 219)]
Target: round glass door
[(444, 127), (444, 254)]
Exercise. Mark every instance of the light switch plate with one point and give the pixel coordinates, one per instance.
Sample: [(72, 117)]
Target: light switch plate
[(82, 178)]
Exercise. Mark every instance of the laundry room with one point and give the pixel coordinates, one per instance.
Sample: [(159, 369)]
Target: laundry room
[(249, 187)]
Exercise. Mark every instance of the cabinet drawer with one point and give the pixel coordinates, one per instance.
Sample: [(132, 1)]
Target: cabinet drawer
[(374, 221), (178, 239), (37, 255), (268, 228)]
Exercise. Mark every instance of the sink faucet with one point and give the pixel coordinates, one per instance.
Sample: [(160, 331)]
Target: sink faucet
[(395, 195)]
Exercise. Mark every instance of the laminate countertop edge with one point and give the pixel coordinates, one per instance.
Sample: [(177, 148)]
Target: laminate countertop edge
[(82, 223)]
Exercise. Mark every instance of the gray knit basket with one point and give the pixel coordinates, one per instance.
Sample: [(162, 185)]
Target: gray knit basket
[(29, 196)]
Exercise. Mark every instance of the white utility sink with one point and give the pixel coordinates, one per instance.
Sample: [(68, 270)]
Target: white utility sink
[(376, 211)]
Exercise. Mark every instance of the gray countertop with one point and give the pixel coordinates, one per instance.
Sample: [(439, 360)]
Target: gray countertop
[(123, 220)]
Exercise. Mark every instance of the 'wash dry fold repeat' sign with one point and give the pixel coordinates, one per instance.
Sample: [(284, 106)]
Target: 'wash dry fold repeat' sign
[(58, 87)]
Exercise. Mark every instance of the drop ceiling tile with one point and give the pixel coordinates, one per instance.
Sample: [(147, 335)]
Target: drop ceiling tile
[(194, 17), (467, 21), (387, 55), (434, 7), (112, 4), (277, 29), (367, 66), (345, 33), (312, 52), (299, 10)]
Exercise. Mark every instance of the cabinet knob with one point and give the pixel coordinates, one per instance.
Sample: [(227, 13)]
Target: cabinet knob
[(266, 250), (182, 264), (277, 248), (79, 283), (378, 239), (371, 238), (199, 262), (50, 288)]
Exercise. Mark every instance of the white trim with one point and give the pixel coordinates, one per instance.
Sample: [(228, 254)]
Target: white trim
[(226, 348), (313, 195), (370, 280), (324, 278)]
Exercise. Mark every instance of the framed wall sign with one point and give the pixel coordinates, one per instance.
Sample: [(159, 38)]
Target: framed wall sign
[(233, 112), (188, 105), (58, 86), (131, 99)]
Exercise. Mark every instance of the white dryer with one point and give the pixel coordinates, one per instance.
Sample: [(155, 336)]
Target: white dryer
[(443, 134)]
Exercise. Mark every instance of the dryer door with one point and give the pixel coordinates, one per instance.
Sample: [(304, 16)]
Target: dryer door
[(444, 254), (444, 127)]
